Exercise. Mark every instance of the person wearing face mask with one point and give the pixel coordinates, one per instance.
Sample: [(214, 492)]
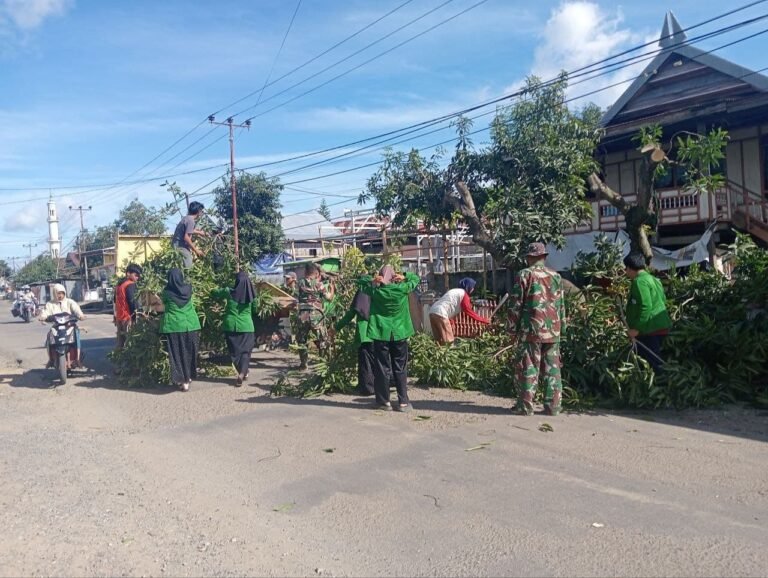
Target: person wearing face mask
[(61, 304)]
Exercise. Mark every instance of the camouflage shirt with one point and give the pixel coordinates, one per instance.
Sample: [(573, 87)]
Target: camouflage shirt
[(311, 293), (537, 310)]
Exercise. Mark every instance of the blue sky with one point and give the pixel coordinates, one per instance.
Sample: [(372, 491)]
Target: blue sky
[(91, 90)]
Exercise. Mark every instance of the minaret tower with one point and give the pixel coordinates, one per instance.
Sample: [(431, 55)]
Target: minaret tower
[(54, 242)]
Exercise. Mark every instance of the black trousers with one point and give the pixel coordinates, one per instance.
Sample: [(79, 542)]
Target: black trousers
[(650, 350), (391, 364), (365, 369), (240, 346)]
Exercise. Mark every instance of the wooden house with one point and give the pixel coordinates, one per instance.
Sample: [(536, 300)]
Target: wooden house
[(687, 89)]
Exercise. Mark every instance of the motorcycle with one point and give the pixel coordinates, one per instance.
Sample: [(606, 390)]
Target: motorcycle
[(24, 308), (63, 346)]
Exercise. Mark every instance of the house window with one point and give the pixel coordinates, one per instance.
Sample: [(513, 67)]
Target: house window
[(313, 252), (676, 177)]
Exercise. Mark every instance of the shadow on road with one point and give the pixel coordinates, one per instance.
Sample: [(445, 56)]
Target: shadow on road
[(735, 421), (366, 403)]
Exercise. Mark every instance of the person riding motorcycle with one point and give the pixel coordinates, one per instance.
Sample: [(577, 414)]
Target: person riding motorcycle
[(61, 304), (26, 293)]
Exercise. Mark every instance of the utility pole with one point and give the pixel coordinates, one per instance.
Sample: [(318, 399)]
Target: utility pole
[(13, 263), (82, 210), (29, 246), (232, 184)]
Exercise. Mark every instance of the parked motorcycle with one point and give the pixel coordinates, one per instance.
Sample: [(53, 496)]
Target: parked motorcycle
[(24, 308), (63, 344)]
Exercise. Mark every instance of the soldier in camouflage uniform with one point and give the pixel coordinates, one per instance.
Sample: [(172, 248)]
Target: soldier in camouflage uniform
[(537, 319), (311, 326)]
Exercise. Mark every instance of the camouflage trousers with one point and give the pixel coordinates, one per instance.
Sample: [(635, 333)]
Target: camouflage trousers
[(310, 328), (539, 361)]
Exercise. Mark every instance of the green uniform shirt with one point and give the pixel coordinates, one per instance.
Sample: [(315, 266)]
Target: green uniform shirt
[(178, 319), (238, 317), (390, 318), (647, 307), (361, 329)]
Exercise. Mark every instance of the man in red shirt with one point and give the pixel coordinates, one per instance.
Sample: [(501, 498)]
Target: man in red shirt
[(125, 303)]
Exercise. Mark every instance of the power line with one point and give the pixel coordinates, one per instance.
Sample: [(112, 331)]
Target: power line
[(366, 62), (267, 83)]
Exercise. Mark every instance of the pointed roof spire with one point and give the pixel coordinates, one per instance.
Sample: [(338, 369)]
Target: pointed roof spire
[(671, 33)]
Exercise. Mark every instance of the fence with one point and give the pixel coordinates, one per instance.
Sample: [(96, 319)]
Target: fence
[(465, 326)]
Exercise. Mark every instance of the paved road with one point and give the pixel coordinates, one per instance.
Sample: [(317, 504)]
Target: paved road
[(98, 480)]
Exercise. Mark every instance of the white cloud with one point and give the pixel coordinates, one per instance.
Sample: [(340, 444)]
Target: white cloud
[(25, 218), (580, 33), (29, 14)]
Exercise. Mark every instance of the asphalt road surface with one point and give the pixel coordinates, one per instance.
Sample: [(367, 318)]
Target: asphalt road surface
[(101, 480)]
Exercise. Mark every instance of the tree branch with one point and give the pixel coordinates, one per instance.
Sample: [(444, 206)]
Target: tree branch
[(465, 205), (599, 188)]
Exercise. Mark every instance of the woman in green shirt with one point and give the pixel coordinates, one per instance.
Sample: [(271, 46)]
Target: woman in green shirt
[(361, 311), (238, 323), (181, 327), (389, 327)]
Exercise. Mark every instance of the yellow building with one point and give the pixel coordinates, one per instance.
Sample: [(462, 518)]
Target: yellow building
[(137, 248)]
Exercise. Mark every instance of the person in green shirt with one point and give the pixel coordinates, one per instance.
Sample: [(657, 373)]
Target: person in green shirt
[(360, 310), (238, 323), (181, 328), (648, 320), (390, 326)]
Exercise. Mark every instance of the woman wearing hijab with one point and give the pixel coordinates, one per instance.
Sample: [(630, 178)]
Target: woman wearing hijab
[(181, 327), (361, 310), (390, 326), (449, 306), (238, 323)]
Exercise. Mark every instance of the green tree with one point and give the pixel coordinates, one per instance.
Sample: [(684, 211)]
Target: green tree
[(324, 210), (5, 269), (138, 219), (527, 185), (258, 211), (698, 156), (41, 268)]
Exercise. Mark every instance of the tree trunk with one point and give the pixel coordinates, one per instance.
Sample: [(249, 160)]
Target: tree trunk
[(636, 216), (465, 205)]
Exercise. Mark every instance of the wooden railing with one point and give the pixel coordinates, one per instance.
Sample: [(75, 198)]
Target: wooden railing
[(465, 326)]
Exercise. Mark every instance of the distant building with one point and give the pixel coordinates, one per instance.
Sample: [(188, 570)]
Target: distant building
[(54, 240)]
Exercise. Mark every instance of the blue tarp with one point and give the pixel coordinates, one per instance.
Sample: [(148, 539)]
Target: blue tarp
[(270, 267)]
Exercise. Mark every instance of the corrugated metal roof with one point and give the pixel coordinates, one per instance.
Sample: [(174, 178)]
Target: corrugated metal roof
[(307, 227)]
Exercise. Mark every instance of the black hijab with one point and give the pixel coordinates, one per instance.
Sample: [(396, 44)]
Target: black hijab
[(243, 291), (178, 291), (361, 303)]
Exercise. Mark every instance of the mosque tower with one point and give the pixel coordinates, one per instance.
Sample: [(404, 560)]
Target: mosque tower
[(54, 242)]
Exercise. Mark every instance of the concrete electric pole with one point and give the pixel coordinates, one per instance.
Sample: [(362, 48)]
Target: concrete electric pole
[(84, 261), (232, 184)]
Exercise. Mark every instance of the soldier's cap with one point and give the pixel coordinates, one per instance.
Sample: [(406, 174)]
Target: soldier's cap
[(537, 250)]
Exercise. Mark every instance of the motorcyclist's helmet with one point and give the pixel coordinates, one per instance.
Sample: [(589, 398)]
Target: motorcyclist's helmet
[(25, 288)]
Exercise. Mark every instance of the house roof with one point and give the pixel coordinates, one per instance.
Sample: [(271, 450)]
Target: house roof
[(307, 227), (680, 77)]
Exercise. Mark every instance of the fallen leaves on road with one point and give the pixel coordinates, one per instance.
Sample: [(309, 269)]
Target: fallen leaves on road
[(545, 427), (482, 446), (284, 507), (329, 450), (422, 418)]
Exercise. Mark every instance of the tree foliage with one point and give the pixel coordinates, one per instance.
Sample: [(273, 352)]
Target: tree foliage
[(528, 184), (5, 269), (41, 268), (324, 210), (258, 211)]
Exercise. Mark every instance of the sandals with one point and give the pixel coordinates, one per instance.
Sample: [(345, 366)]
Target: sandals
[(404, 408)]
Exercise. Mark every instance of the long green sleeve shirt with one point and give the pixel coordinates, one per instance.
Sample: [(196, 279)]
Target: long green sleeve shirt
[(178, 319), (647, 307), (390, 318), (361, 327), (238, 317)]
